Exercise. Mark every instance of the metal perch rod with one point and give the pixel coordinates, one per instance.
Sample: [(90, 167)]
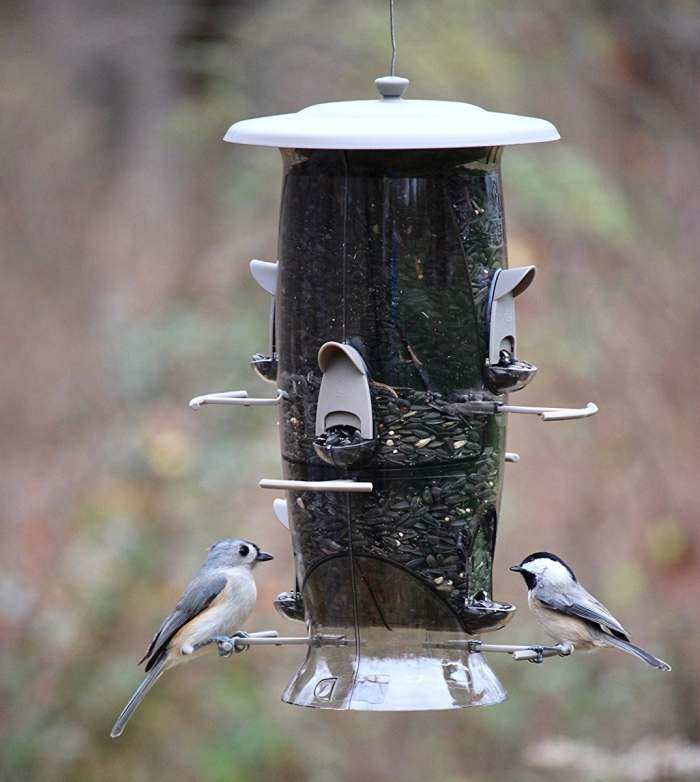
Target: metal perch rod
[(532, 652), (349, 486), (235, 398), (243, 641), (554, 413), (316, 640), (546, 413)]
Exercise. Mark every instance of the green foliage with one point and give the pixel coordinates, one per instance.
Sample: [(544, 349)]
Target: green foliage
[(571, 189), (247, 744)]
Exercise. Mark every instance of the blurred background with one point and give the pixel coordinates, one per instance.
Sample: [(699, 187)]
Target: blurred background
[(125, 230)]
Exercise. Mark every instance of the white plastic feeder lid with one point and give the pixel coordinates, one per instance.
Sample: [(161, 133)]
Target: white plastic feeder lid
[(391, 123)]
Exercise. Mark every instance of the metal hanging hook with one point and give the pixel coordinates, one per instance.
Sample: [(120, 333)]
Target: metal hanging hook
[(392, 32)]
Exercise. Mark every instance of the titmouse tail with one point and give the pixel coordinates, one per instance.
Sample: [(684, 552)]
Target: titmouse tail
[(637, 651), (150, 679)]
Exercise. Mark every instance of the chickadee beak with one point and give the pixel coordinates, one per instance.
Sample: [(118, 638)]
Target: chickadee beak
[(263, 556), (516, 569)]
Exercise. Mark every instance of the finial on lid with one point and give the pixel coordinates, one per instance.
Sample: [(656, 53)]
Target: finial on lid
[(392, 86)]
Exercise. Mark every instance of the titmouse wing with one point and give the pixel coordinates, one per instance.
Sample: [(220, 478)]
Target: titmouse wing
[(579, 602), (199, 594)]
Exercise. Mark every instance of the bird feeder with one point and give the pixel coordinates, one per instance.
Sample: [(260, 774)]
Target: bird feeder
[(393, 349)]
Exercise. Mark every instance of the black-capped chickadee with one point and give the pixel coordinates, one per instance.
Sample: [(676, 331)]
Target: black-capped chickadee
[(216, 603), (569, 614)]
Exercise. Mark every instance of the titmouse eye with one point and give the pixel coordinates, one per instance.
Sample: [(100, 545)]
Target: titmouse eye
[(244, 551)]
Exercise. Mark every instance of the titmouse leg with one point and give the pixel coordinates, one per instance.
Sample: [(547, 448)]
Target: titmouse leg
[(227, 644)]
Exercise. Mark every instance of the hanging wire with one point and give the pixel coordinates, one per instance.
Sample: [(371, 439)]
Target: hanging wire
[(393, 37)]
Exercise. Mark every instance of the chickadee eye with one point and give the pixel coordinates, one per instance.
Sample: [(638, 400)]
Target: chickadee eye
[(244, 551)]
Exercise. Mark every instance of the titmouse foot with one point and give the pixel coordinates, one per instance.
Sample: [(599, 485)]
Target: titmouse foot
[(227, 644), (238, 649)]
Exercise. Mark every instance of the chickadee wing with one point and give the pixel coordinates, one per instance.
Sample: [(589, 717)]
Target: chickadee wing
[(199, 594), (578, 602)]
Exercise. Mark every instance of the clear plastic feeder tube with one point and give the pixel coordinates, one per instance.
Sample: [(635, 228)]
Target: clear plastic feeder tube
[(392, 252)]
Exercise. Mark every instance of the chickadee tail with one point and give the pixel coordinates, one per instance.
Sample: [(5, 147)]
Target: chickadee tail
[(637, 651), (150, 679)]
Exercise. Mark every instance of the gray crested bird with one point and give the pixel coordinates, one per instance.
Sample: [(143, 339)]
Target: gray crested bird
[(571, 615), (215, 604)]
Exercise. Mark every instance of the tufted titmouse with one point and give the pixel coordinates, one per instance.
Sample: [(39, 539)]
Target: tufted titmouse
[(216, 603), (569, 614)]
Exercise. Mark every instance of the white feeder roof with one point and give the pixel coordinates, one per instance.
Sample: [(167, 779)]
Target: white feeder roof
[(391, 123)]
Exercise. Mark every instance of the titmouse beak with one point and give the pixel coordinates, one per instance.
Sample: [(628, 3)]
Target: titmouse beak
[(263, 556), (516, 569)]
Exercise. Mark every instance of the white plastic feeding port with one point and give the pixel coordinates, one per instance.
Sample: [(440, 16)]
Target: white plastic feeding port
[(344, 398), (508, 283), (265, 274), (279, 506)]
